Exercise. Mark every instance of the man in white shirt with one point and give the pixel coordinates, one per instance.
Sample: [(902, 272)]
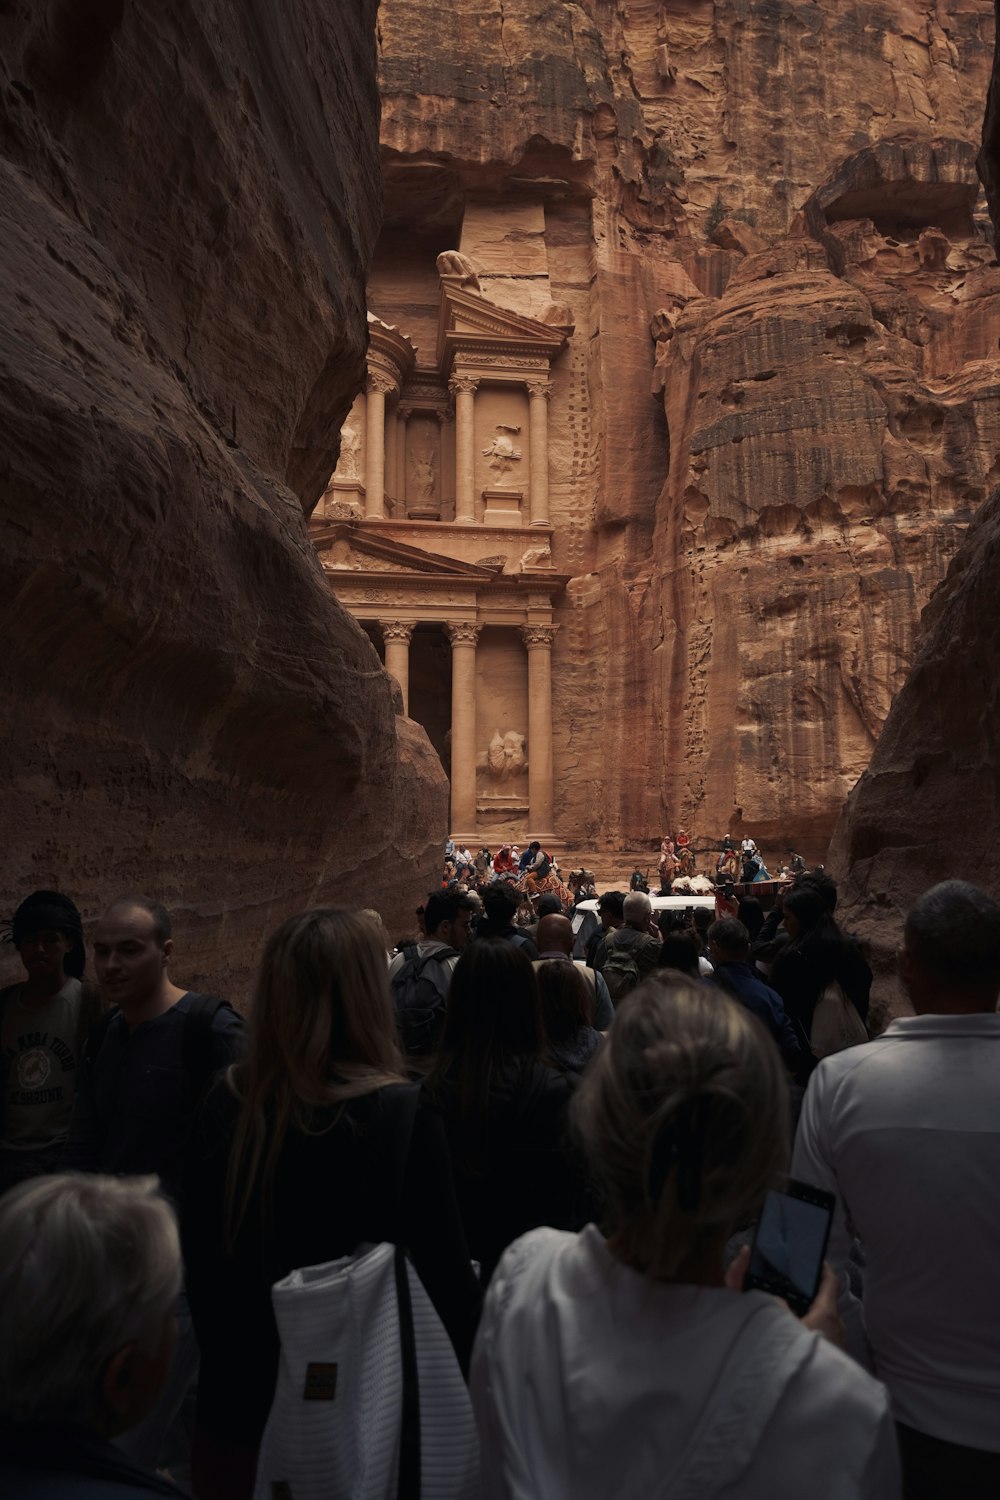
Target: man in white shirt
[(906, 1131)]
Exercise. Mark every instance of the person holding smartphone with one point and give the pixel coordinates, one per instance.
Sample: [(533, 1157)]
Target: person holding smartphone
[(659, 1375)]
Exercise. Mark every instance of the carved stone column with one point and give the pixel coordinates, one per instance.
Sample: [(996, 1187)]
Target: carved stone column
[(538, 639), (396, 634), (378, 388), (403, 414), (463, 636), (464, 388), (539, 392), (391, 462)]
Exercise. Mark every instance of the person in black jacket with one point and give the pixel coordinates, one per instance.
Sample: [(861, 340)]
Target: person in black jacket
[(504, 1110), (88, 1283), (816, 955), (311, 1147)]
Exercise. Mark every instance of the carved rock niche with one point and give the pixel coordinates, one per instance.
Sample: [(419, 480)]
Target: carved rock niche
[(502, 457), (423, 467)]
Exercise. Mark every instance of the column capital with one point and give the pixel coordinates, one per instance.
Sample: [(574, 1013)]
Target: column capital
[(463, 632), (538, 635), (463, 383), (540, 389), (397, 630), (376, 380)]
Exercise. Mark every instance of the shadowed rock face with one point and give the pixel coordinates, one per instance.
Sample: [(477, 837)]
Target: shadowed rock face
[(190, 199), (781, 407), (927, 807)]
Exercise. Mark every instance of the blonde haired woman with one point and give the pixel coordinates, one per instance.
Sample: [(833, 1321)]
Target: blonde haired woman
[(623, 1365), (312, 1146)]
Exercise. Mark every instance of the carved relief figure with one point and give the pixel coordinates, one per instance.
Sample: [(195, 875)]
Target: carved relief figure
[(423, 476), (454, 263), (501, 452), (349, 464), (505, 757)]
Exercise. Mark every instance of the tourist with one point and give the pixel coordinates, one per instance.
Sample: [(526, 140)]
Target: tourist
[(567, 1003), (504, 862), (906, 1132), (555, 944), (750, 912), (729, 950), (631, 952), (816, 956), (296, 1165), (638, 881), (44, 1021), (611, 915), (504, 1110), (679, 953), (624, 1362), (420, 974), (464, 864), (500, 904), (375, 918), (726, 904), (89, 1278), (147, 1067), (482, 865)]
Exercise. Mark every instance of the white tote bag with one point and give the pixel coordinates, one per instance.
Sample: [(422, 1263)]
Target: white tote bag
[(836, 1024), (370, 1402)]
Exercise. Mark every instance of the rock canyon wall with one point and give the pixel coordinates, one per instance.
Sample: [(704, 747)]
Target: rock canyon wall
[(927, 807), (190, 201), (779, 409)]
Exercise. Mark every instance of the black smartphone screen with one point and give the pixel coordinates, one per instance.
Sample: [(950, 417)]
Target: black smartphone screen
[(790, 1242)]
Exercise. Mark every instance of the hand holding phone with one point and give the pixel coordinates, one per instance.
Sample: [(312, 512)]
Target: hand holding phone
[(786, 1257)]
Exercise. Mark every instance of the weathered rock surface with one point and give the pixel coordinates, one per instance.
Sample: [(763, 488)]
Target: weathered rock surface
[(190, 198), (780, 407), (927, 807)]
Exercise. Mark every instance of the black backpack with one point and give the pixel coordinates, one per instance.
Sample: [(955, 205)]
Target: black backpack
[(419, 1002)]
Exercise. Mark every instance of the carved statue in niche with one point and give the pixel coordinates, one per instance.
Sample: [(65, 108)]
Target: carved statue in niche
[(349, 463), (423, 476), (505, 758), (454, 263), (502, 453)]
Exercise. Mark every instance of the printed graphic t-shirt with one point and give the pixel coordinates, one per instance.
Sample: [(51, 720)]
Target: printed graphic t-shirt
[(38, 1056)]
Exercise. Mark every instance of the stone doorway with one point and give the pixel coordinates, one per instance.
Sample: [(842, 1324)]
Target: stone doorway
[(430, 687)]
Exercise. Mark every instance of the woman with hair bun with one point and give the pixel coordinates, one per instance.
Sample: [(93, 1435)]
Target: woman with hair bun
[(622, 1361), (310, 1147)]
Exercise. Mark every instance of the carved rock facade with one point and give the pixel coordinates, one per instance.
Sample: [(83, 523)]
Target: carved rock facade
[(190, 200), (779, 404)]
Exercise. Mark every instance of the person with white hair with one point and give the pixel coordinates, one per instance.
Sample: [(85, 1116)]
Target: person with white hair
[(89, 1274), (631, 952)]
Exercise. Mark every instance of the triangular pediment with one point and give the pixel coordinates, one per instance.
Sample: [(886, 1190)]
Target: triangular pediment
[(466, 319), (345, 547)]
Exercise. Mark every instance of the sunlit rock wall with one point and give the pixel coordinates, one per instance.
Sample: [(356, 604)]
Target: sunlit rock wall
[(190, 200), (780, 407)]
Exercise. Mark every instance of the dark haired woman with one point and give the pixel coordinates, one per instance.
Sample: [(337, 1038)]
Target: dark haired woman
[(504, 1110), (567, 1002), (816, 955), (314, 1145)]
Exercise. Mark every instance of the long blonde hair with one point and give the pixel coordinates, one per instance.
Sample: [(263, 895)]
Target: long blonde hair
[(683, 1117), (322, 1031)]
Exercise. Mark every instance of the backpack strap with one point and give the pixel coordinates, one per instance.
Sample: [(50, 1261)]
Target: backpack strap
[(98, 1032), (196, 1043), (408, 1481)]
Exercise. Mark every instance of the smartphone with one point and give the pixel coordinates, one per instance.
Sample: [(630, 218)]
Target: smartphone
[(789, 1244)]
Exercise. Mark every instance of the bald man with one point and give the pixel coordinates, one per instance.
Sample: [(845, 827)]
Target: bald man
[(555, 945)]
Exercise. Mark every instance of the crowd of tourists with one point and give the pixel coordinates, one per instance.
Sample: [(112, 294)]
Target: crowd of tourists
[(570, 1134)]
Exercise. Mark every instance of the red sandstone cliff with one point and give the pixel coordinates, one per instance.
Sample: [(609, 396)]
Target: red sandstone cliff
[(190, 200), (928, 806), (781, 406)]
